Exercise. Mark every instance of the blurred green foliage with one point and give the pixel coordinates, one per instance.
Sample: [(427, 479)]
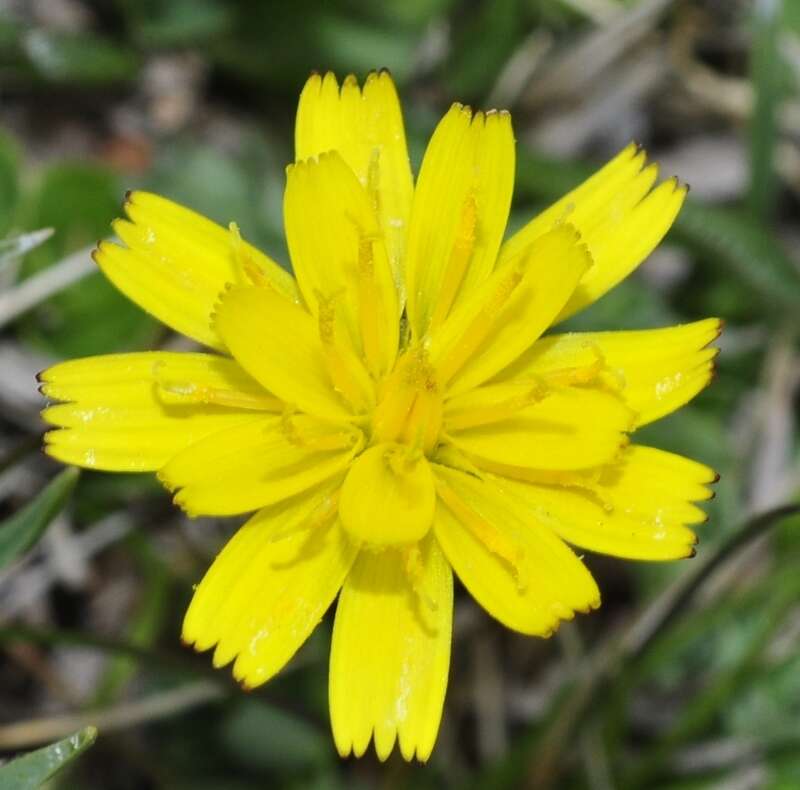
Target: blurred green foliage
[(91, 317), (9, 189)]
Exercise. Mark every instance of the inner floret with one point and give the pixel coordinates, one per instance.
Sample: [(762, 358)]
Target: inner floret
[(409, 409), (389, 496)]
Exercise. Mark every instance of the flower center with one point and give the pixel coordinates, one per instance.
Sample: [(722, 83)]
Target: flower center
[(409, 409)]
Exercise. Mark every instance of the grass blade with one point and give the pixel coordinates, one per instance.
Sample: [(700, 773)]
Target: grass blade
[(21, 531), (31, 770), (765, 72), (13, 248), (540, 758), (701, 710)]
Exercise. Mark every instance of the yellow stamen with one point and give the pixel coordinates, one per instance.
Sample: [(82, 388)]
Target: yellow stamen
[(374, 180), (494, 541), (424, 422), (412, 558), (371, 302), (320, 517), (321, 442), (484, 415), (577, 376), (401, 460), (569, 209), (369, 305), (181, 392), (448, 455), (250, 270), (537, 388), (410, 410), (392, 413), (596, 372), (482, 324), (463, 248), (339, 364), (187, 392), (587, 482)]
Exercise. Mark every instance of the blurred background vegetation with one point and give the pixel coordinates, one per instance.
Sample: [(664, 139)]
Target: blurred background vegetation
[(689, 675)]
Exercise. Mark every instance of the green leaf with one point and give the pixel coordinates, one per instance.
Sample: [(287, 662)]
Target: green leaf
[(178, 23), (538, 759), (21, 531), (263, 738), (744, 247), (630, 305), (410, 13), (770, 708), (143, 624), (16, 247), (246, 187), (9, 181), (766, 73), (79, 200), (78, 57), (270, 48), (697, 715), (11, 31), (31, 770), (484, 43)]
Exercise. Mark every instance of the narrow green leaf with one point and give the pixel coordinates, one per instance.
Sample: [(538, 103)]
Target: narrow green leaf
[(697, 715), (742, 246), (21, 531), (77, 200), (15, 247), (765, 72), (538, 759), (144, 624), (79, 57), (31, 770), (180, 22), (484, 41), (262, 737), (9, 179)]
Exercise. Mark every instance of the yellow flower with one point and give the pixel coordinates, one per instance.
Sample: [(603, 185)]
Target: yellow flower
[(392, 412)]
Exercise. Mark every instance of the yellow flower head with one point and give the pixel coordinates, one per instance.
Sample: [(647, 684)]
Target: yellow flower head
[(392, 413)]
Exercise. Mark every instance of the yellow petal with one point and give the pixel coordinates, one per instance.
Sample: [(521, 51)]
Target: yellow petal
[(278, 343), (568, 428), (258, 463), (388, 496), (262, 597), (657, 370), (638, 507), (176, 263), (500, 321), (133, 412), (459, 212), (391, 652), (513, 565), (366, 127), (620, 219), (234, 578), (340, 259)]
